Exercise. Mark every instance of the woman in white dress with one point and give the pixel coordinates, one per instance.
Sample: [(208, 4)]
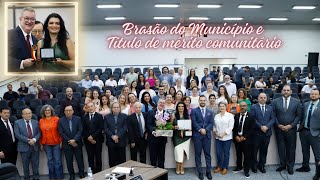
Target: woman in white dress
[(95, 99), (223, 95), (124, 106), (194, 97)]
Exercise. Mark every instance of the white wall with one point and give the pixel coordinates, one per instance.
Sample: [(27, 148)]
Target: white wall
[(298, 41)]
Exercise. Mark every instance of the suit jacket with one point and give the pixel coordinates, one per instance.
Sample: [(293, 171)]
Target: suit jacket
[(268, 119), (314, 121), (151, 126), (291, 116), (17, 50), (6, 144), (21, 134), (134, 129), (66, 134), (248, 127), (199, 122), (112, 128), (93, 127)]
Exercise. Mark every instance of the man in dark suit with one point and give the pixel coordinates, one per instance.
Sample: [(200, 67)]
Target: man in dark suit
[(137, 133), (243, 127), (28, 134), (202, 124), (70, 129), (93, 137), (8, 144), (20, 41), (309, 132), (264, 118), (70, 100), (157, 144), (115, 128), (288, 113)]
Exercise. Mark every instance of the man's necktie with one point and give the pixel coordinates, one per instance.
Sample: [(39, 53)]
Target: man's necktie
[(28, 43), (29, 130), (263, 111), (140, 125), (309, 115), (70, 125), (91, 117), (202, 112), (9, 131), (285, 104), (241, 123)]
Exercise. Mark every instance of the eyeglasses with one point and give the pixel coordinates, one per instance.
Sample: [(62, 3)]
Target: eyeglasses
[(29, 19)]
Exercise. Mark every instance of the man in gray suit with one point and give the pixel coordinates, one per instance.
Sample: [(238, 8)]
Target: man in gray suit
[(288, 112), (27, 132), (310, 133)]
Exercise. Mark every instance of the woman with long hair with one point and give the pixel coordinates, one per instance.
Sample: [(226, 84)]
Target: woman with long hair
[(125, 91), (87, 98), (50, 141), (180, 141), (212, 104), (242, 96), (104, 108), (173, 92), (233, 106), (57, 37), (166, 86), (187, 102), (194, 97), (141, 82), (147, 104), (151, 79), (124, 106), (192, 76), (223, 125), (95, 99), (223, 95), (133, 88), (179, 97)]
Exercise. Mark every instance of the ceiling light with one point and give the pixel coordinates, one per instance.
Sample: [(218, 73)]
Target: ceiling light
[(163, 18), (304, 7), (278, 19), (249, 6), (114, 18), (198, 18), (233, 18), (316, 19), (166, 5), (209, 6), (110, 6)]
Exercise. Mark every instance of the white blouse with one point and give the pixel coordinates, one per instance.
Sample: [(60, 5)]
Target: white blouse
[(224, 124)]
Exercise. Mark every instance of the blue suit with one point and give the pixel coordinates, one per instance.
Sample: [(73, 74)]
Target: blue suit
[(202, 142), (17, 50), (261, 140), (28, 153)]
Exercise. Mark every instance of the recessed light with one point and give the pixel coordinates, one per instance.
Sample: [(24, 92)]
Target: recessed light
[(114, 18), (316, 19), (166, 5), (110, 6), (198, 18), (245, 6), (278, 19), (232, 18), (208, 6), (304, 7), (163, 18)]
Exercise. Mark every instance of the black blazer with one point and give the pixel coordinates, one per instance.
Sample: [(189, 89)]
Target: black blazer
[(248, 127), (134, 129), (93, 127), (151, 126), (110, 128), (17, 50), (188, 81), (5, 143), (66, 134)]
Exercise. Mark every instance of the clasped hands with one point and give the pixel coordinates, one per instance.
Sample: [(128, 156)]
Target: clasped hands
[(240, 138), (91, 140), (73, 143), (285, 128), (2, 156), (31, 142), (220, 135), (115, 138)]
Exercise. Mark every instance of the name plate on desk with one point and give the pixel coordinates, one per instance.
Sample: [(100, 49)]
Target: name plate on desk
[(139, 177)]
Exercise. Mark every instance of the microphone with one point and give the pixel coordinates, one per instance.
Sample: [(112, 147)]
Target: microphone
[(131, 169)]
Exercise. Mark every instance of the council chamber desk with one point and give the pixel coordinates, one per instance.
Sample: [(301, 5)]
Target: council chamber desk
[(146, 171)]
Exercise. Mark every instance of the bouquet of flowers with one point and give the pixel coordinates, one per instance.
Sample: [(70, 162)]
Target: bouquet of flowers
[(164, 127)]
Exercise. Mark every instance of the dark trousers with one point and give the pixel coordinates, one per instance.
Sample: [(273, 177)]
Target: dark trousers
[(77, 152), (308, 140), (243, 152), (94, 156), (141, 147), (202, 143), (30, 156), (157, 153), (286, 147), (11, 155), (261, 143), (223, 153), (117, 155)]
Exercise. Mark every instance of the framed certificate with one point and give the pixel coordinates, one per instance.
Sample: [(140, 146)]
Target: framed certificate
[(184, 124)]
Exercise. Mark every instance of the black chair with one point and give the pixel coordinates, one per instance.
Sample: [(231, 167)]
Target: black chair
[(38, 111), (28, 98), (18, 103), (19, 111), (53, 102), (254, 93), (277, 95), (12, 119), (53, 91), (9, 171), (77, 95), (95, 88), (35, 117), (120, 87), (268, 91), (305, 96), (88, 71), (295, 95), (98, 71), (73, 85), (3, 103), (34, 103), (61, 96), (81, 90), (57, 111)]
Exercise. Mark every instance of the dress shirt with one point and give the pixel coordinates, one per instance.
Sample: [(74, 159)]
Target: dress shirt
[(10, 127), (241, 116), (30, 123), (142, 121), (30, 40), (224, 124)]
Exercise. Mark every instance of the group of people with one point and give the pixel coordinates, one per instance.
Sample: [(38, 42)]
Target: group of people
[(26, 40)]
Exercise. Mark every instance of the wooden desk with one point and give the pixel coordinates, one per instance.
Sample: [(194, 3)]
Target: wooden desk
[(147, 172)]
